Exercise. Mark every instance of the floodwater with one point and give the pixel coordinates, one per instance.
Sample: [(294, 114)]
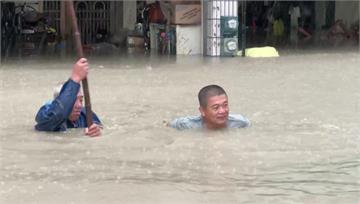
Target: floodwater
[(303, 146)]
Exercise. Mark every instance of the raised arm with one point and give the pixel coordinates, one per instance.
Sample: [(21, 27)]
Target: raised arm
[(52, 116)]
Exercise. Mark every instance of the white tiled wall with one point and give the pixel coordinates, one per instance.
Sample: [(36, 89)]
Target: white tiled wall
[(216, 9)]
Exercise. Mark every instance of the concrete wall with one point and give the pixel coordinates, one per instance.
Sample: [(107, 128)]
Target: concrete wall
[(116, 16), (320, 8), (348, 11), (129, 14), (188, 39)]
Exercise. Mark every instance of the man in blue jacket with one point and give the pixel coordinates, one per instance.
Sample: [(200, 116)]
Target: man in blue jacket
[(214, 110), (66, 110)]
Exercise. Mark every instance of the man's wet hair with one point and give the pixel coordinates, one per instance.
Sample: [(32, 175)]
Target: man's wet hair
[(209, 91)]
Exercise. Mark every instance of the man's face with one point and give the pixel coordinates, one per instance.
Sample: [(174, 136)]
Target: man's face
[(216, 113), (75, 113)]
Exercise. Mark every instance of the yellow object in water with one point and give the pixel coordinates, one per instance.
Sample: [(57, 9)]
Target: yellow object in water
[(260, 52)]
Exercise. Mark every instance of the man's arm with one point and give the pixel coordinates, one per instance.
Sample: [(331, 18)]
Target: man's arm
[(51, 116), (238, 121), (188, 122)]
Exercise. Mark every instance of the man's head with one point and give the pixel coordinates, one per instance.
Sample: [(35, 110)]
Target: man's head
[(76, 110), (214, 107)]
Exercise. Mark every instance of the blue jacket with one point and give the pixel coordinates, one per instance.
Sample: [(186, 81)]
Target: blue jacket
[(53, 116)]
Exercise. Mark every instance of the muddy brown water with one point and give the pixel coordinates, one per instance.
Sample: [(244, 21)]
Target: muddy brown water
[(302, 147)]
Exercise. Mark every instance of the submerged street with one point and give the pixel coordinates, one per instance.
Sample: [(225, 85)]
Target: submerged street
[(302, 147)]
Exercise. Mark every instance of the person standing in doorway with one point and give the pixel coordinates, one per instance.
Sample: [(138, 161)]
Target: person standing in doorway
[(294, 13)]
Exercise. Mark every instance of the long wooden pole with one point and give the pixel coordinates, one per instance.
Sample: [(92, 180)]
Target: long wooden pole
[(243, 27), (80, 53)]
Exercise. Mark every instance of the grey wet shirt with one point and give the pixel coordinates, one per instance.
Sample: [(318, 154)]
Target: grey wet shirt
[(196, 122)]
